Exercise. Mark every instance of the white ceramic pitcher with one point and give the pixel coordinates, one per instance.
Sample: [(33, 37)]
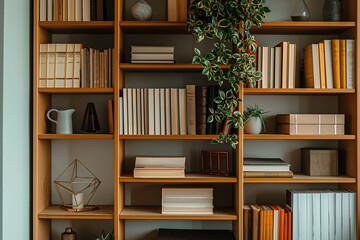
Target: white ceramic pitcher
[(63, 121)]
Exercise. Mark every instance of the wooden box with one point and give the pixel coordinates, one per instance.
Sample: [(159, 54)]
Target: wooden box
[(319, 162)]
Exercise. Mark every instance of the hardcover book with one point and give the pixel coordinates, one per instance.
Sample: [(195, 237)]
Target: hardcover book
[(265, 165)]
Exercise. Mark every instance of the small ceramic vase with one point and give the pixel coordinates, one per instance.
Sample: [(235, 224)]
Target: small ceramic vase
[(253, 126), (332, 10), (141, 11), (301, 11)]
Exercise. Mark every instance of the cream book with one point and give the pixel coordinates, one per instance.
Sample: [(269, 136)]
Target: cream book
[(159, 172), (328, 65), (190, 109), (174, 111), (157, 114)]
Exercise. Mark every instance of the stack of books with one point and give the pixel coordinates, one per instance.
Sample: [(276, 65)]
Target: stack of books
[(323, 214), (314, 124), (266, 167), (152, 54), (267, 222), (159, 167), (330, 64), (187, 200)]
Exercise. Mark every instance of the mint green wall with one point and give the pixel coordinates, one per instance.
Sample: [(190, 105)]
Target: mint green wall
[(15, 118)]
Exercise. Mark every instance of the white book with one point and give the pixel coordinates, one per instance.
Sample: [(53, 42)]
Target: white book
[(160, 162), (309, 214), (86, 10), (352, 215), (125, 104), (130, 111), (338, 215), (259, 65), (162, 112), (50, 10), (303, 218), (272, 68), (71, 10), (277, 67), (151, 113), (316, 214), (324, 216), (345, 214), (316, 65), (142, 111), (292, 65), (77, 60), (138, 111), (134, 111), (70, 58), (174, 111), (294, 201), (276, 223), (78, 10), (187, 202), (328, 64), (191, 192), (157, 115), (182, 111), (121, 116), (146, 110), (332, 206), (265, 67), (43, 62), (350, 63), (51, 64), (152, 49), (42, 10), (167, 111), (152, 56)]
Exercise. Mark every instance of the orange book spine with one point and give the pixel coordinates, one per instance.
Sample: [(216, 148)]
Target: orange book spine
[(342, 63), (335, 48), (322, 65)]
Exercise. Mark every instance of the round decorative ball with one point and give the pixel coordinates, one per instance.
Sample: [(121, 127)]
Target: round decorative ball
[(141, 11)]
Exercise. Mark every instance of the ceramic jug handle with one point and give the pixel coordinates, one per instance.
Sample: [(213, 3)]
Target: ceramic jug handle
[(48, 114)]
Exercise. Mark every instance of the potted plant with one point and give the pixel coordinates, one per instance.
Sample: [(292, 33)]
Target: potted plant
[(105, 236), (253, 119), (228, 22)]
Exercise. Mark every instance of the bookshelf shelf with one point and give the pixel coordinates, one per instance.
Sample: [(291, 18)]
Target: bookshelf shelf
[(154, 213), (298, 91), (76, 136), (76, 90), (297, 137), (89, 27), (189, 178), (153, 27), (168, 137), (301, 178), (55, 212)]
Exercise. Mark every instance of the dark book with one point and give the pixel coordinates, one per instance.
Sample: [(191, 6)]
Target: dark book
[(212, 93), (100, 10), (109, 10), (93, 11), (201, 96), (190, 234)]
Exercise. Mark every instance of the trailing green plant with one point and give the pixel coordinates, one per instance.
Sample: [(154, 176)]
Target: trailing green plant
[(227, 22), (105, 236), (254, 111)]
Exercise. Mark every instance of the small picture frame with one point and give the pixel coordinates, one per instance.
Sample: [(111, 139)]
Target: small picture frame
[(215, 163)]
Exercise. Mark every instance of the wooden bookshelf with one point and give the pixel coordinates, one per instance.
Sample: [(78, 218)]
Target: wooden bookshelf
[(76, 136), (168, 137), (297, 137), (55, 212), (189, 178), (301, 178), (77, 90)]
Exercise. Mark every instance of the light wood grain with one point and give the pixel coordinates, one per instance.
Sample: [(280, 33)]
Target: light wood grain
[(299, 91), (189, 178), (76, 90), (55, 212), (168, 137), (94, 27), (76, 136), (297, 137), (301, 178)]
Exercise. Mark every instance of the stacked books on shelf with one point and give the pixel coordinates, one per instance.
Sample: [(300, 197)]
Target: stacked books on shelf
[(323, 214), (317, 124), (187, 200), (76, 10), (167, 111), (71, 65), (267, 222), (159, 167), (278, 65), (266, 167), (152, 54), (330, 64)]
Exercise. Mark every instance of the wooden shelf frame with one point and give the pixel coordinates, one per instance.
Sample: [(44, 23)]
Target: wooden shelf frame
[(302, 178), (77, 90), (189, 178), (105, 212), (75, 136)]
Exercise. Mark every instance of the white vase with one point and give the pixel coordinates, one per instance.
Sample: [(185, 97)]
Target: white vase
[(253, 126), (141, 11)]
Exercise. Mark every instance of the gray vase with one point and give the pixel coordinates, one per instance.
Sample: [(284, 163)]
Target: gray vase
[(332, 10), (141, 11)]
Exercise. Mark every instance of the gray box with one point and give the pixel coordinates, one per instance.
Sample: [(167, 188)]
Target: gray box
[(320, 162)]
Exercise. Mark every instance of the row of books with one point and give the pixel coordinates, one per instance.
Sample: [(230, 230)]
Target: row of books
[(266, 167), (187, 200), (159, 167), (167, 111), (314, 124), (265, 222), (76, 10), (278, 65), (330, 64), (71, 65), (323, 214), (152, 54)]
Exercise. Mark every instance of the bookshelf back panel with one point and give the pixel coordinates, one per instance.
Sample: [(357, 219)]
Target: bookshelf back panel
[(159, 10), (95, 41)]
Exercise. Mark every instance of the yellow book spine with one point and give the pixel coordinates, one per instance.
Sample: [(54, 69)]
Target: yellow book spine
[(343, 63), (335, 48), (322, 65)]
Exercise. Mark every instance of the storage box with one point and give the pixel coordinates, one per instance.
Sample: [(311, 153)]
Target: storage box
[(319, 162), (310, 129), (314, 119)]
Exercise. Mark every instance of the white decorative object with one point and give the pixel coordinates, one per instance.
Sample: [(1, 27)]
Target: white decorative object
[(63, 121), (78, 201), (141, 11), (253, 125)]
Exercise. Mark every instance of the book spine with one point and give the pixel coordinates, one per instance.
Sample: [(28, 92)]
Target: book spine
[(335, 48), (212, 93), (201, 98)]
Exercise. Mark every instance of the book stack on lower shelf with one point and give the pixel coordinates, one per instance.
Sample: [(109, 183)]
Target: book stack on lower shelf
[(187, 200), (314, 124), (323, 214), (159, 167), (152, 54), (266, 167), (267, 222)]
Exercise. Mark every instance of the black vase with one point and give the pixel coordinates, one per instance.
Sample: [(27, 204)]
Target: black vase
[(332, 10), (90, 122)]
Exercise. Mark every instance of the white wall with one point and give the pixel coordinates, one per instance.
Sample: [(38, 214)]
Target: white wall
[(15, 101)]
